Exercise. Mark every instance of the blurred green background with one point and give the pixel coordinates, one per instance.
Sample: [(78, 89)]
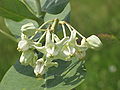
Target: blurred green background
[(99, 17)]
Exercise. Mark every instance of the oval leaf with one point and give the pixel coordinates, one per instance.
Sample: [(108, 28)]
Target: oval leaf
[(54, 6), (68, 74), (15, 10), (64, 15), (34, 6)]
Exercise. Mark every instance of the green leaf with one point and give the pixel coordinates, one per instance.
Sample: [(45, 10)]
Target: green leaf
[(34, 6), (15, 10), (31, 5), (64, 15), (67, 75), (54, 6), (15, 27)]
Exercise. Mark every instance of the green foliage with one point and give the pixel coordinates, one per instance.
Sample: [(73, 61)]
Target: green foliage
[(7, 51), (15, 10), (66, 75), (54, 6), (64, 15)]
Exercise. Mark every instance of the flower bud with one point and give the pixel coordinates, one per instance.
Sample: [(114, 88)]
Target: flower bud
[(40, 67), (23, 45), (93, 42), (28, 57)]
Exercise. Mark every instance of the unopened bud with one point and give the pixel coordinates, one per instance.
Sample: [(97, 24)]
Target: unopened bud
[(28, 57), (40, 67), (93, 42)]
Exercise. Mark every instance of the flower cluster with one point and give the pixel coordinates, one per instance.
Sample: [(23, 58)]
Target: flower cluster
[(54, 47)]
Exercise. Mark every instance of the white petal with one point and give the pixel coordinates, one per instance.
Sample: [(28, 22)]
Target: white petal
[(22, 58), (72, 50), (48, 37), (70, 45), (62, 42), (69, 51), (56, 38), (39, 68), (73, 36), (48, 55), (27, 26), (27, 57), (40, 49), (50, 50), (59, 45)]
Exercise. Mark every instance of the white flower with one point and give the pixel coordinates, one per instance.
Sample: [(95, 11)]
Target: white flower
[(93, 42), (69, 48), (72, 47), (40, 67), (51, 48), (24, 43), (28, 57), (69, 51), (49, 44), (59, 45)]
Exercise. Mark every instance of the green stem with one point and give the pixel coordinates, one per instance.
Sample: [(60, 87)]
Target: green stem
[(69, 26), (41, 37), (52, 37), (64, 32), (41, 28), (8, 35), (54, 25)]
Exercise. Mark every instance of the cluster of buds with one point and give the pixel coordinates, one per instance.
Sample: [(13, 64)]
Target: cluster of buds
[(54, 47)]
